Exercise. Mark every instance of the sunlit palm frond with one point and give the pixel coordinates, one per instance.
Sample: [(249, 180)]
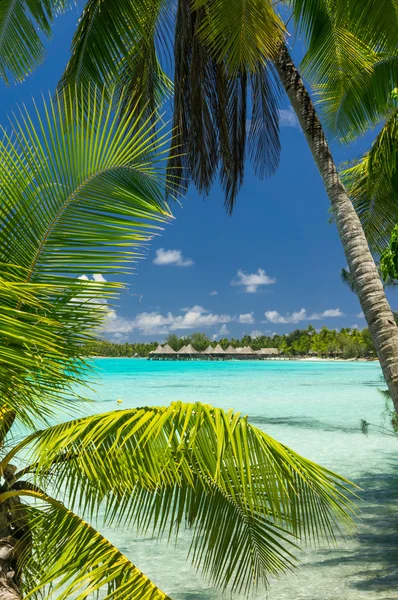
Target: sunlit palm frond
[(339, 59), (120, 44), (22, 25), (375, 21), (160, 466), (363, 102), (214, 123), (79, 195), (373, 186), (65, 557), (240, 34)]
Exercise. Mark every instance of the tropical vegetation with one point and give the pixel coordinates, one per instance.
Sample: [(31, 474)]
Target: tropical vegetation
[(346, 343), (81, 191)]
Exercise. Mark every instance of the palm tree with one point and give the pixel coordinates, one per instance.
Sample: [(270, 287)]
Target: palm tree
[(220, 47), (80, 193)]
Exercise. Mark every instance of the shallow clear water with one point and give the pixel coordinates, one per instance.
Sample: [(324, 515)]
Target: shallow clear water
[(316, 409)]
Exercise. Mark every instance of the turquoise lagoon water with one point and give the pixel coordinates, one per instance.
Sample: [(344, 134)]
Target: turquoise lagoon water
[(315, 408)]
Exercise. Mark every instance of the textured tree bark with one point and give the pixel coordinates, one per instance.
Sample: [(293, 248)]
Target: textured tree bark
[(366, 279), (9, 589)]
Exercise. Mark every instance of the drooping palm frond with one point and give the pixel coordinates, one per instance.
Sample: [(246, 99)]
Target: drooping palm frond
[(115, 44), (375, 21), (67, 558), (337, 55), (161, 466), (242, 35), (363, 102), (373, 186), (79, 195), (214, 65), (211, 112), (22, 24)]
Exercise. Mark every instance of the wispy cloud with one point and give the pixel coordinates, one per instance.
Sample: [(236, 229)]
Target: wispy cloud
[(252, 281), (360, 315), (214, 293), (171, 258), (273, 316), (287, 118), (223, 331), (149, 323), (256, 334), (246, 318)]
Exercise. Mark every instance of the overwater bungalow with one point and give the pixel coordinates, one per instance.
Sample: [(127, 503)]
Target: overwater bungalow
[(218, 353), (209, 350)]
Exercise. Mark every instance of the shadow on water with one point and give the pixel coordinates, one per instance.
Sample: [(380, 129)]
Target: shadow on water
[(373, 562), (303, 423)]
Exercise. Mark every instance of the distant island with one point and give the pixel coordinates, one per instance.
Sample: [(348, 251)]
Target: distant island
[(348, 343)]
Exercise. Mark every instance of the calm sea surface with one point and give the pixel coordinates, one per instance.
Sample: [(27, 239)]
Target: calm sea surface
[(315, 408)]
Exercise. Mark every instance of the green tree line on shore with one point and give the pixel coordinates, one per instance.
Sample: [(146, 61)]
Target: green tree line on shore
[(347, 343)]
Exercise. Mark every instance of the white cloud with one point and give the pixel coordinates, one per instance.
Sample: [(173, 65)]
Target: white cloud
[(223, 331), (255, 334), (355, 326), (331, 312), (149, 323), (171, 257), (246, 318), (360, 315), (214, 293), (273, 316), (251, 281), (288, 118)]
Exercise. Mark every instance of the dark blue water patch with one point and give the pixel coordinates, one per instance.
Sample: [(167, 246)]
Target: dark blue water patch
[(303, 422)]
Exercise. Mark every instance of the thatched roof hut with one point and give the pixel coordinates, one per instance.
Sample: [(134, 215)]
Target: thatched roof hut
[(230, 350), (191, 350), (247, 350), (182, 350), (218, 350), (168, 350), (268, 351), (209, 350), (158, 350)]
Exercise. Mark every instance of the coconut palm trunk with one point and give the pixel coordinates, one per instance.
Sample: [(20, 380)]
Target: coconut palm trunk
[(9, 589), (364, 272), (9, 571)]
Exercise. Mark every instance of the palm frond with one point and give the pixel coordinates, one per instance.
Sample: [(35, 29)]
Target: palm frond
[(162, 465), (342, 59), (211, 112), (22, 24), (68, 558), (375, 21), (79, 195), (362, 102), (116, 44), (242, 35), (373, 186)]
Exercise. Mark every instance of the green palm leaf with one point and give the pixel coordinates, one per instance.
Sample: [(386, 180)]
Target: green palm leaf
[(373, 186), (117, 44), (240, 34), (247, 498), (21, 23), (64, 557), (78, 195), (337, 56)]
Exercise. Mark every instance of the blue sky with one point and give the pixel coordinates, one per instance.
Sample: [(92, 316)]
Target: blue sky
[(271, 267)]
